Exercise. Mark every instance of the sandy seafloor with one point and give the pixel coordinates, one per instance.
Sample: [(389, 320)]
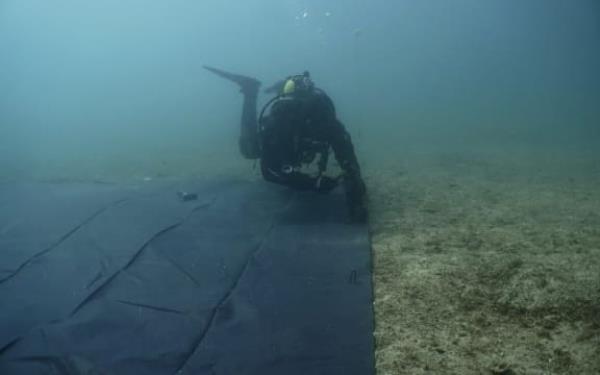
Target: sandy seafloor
[(485, 261)]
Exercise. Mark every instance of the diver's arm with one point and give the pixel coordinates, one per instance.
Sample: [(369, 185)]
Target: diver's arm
[(338, 137), (343, 149), (341, 142)]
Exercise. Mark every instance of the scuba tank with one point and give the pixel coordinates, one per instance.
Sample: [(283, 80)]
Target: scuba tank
[(305, 149)]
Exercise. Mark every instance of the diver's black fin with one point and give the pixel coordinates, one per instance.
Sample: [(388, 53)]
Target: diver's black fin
[(247, 84)]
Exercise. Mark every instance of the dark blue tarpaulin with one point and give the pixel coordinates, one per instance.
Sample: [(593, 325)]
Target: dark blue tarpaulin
[(249, 278)]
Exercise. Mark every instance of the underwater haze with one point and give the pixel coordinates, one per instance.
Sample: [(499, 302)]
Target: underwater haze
[(91, 88), (476, 124)]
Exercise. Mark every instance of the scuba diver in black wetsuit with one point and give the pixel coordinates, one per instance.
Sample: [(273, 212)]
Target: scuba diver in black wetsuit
[(294, 127)]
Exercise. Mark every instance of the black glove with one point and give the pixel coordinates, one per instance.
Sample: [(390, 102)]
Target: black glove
[(324, 184)]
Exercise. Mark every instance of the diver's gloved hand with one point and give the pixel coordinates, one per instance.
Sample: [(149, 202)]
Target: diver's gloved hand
[(324, 184)]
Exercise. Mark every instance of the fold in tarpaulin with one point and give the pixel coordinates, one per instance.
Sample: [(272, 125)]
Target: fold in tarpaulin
[(245, 278)]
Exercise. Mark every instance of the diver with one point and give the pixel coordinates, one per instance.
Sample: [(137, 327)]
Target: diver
[(296, 129)]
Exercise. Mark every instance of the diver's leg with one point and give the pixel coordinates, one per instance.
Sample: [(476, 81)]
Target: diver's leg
[(248, 142)]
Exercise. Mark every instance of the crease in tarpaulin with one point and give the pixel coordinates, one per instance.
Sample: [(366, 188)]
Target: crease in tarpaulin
[(136, 255), (198, 342), (12, 341), (211, 319), (62, 239)]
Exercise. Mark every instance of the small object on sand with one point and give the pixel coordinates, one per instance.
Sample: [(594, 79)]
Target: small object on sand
[(185, 196)]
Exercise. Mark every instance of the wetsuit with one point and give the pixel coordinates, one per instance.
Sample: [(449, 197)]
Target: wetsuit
[(296, 129)]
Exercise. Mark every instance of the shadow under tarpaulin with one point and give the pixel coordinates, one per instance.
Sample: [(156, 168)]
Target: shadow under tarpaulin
[(249, 278)]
